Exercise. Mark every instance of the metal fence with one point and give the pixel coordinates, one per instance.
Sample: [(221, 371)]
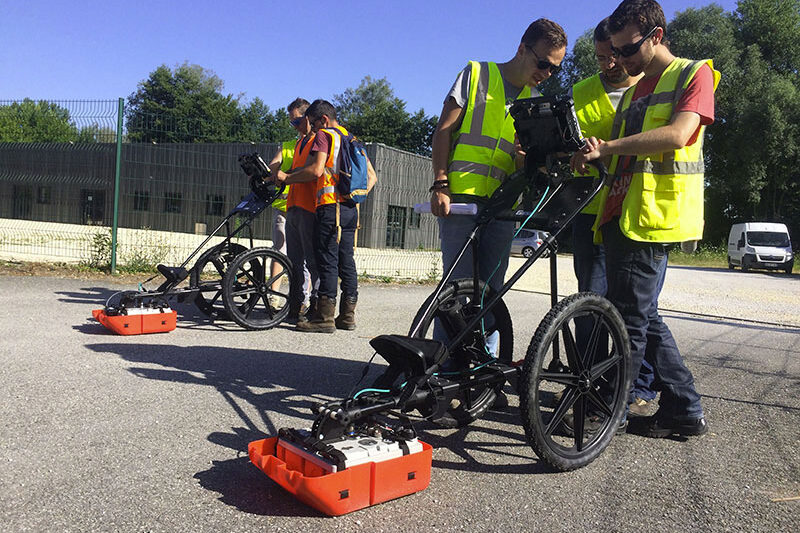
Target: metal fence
[(63, 198)]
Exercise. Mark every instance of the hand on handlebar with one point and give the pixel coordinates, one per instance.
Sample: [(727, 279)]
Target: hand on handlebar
[(589, 152), (279, 176)]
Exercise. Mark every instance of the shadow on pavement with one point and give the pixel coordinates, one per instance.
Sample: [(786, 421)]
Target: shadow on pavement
[(240, 375)]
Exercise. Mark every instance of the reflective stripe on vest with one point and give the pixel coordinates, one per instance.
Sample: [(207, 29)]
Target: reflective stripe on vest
[(665, 200), (595, 114), (483, 149), (303, 195), (326, 184), (287, 154)]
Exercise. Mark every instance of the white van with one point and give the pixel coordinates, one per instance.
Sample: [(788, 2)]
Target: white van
[(760, 245)]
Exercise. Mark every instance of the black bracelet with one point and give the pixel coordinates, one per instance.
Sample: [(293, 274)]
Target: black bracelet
[(438, 185)]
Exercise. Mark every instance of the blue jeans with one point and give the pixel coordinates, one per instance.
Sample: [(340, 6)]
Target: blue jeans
[(635, 275), (588, 259), (493, 249), (589, 262), (335, 257)]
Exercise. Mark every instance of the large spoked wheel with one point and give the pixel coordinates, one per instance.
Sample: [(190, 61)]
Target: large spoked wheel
[(571, 410), (454, 307), (207, 275), (255, 289)]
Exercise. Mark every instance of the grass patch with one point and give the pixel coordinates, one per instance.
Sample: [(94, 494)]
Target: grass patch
[(711, 257), (705, 256)]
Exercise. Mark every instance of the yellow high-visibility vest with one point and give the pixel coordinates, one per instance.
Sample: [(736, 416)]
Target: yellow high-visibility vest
[(483, 153), (595, 116), (665, 200), (287, 154)]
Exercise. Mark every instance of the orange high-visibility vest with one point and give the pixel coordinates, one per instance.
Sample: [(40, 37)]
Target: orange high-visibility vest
[(303, 195), (326, 184)]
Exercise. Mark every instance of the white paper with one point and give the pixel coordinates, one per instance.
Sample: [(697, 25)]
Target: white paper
[(455, 209)]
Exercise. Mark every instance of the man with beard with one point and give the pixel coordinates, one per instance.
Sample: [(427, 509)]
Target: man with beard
[(596, 100), (655, 198)]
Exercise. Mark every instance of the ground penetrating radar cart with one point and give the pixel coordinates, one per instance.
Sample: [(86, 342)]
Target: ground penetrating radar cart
[(228, 281), (573, 383)]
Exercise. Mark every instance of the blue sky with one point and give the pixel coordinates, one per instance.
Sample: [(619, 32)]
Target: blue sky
[(90, 49)]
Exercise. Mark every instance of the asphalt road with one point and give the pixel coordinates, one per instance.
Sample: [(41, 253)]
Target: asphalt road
[(149, 433)]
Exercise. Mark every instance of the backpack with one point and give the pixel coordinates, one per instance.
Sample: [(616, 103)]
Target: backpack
[(353, 176)]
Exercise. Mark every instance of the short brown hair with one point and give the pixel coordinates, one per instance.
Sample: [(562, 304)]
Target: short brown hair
[(547, 31), (301, 104), (644, 14), (320, 107)]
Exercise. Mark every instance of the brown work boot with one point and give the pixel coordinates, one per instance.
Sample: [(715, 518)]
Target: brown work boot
[(297, 313), (347, 313), (321, 321), (307, 312)]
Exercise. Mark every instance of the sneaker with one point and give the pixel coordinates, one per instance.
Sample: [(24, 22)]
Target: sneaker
[(641, 407), (592, 425), (659, 428)]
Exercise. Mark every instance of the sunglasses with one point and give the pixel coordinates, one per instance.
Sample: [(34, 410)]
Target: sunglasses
[(543, 64), (296, 121), (630, 49)]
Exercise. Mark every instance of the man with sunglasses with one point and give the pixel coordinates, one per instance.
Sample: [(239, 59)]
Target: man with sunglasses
[(655, 198), (474, 145), (300, 208), (282, 160), (336, 220), (596, 100)]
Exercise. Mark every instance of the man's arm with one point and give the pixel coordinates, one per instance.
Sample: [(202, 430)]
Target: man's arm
[(315, 167), (449, 122), (372, 176), (673, 136), (276, 162)]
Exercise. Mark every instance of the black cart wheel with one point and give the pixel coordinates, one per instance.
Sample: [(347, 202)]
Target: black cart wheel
[(207, 274), (527, 252), (571, 410), (455, 306), (248, 291)]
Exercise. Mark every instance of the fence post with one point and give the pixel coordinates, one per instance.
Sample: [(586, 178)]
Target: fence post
[(117, 167)]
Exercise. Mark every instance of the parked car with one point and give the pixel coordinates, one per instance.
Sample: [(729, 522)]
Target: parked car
[(760, 245), (528, 241)]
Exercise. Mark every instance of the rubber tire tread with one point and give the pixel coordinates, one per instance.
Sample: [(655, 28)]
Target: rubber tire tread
[(230, 278), (200, 264), (537, 351), (461, 416)]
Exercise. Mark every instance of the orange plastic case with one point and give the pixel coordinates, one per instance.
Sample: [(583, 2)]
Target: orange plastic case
[(138, 324), (348, 490)]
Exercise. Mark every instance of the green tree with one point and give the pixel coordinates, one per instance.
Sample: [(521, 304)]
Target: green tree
[(374, 114), (36, 121), (94, 133), (753, 148), (260, 124), (184, 105)]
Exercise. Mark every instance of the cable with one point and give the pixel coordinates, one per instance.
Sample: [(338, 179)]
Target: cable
[(508, 250)]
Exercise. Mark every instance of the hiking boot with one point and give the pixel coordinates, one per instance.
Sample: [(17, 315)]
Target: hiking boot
[(641, 407), (347, 313), (297, 312), (322, 321), (661, 427), (308, 312)]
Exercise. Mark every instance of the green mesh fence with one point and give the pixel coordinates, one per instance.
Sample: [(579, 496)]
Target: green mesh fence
[(178, 180)]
